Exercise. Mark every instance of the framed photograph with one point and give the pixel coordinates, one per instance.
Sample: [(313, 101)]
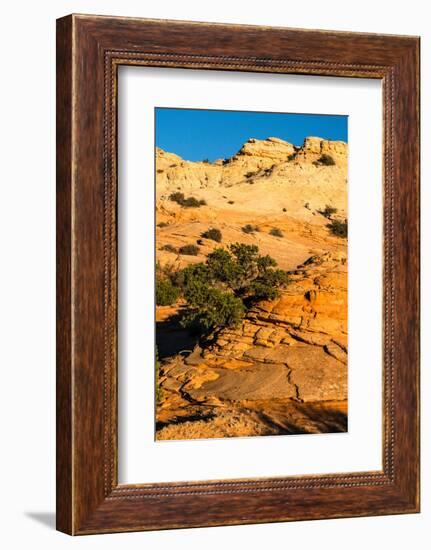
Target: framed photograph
[(237, 274)]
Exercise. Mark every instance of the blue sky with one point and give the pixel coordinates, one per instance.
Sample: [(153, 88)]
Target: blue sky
[(197, 134)]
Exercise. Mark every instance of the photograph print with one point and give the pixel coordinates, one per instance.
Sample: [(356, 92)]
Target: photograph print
[(251, 273)]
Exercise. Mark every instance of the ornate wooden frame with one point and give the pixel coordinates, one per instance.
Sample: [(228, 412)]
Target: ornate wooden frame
[(89, 51)]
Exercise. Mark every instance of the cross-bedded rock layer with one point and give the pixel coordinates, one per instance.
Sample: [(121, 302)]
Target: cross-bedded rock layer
[(284, 369)]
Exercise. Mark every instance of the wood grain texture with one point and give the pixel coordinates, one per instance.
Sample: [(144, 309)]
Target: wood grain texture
[(90, 49), (64, 460)]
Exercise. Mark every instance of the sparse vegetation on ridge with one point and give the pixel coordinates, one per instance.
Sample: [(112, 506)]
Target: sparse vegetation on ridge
[(276, 232), (189, 250), (250, 228), (189, 202), (338, 228), (325, 160), (170, 248), (213, 234), (328, 211)]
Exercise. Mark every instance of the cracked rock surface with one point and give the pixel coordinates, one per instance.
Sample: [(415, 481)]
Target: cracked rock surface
[(284, 369), (276, 373)]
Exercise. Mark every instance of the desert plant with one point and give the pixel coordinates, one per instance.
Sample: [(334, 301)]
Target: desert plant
[(166, 293), (192, 202), (213, 234), (162, 224), (211, 307), (291, 156), (239, 266), (177, 197), (328, 211), (276, 232), (338, 228), (189, 202), (249, 228), (169, 248), (325, 160), (206, 161), (219, 292), (231, 202), (189, 250)]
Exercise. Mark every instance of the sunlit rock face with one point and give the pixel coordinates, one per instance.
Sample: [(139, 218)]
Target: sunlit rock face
[(284, 368)]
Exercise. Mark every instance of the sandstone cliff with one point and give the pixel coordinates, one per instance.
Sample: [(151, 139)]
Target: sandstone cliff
[(284, 369)]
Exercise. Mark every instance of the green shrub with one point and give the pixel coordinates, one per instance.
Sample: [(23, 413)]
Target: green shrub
[(177, 197), (219, 291), (326, 160), (240, 266), (291, 156), (166, 293), (211, 307), (213, 234), (338, 228), (189, 250), (206, 161), (192, 202), (249, 228), (328, 211), (275, 232), (189, 202), (193, 274), (170, 248)]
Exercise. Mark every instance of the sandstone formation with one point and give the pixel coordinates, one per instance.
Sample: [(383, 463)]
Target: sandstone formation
[(284, 369)]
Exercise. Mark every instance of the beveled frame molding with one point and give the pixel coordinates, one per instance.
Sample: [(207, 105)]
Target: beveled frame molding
[(89, 51)]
